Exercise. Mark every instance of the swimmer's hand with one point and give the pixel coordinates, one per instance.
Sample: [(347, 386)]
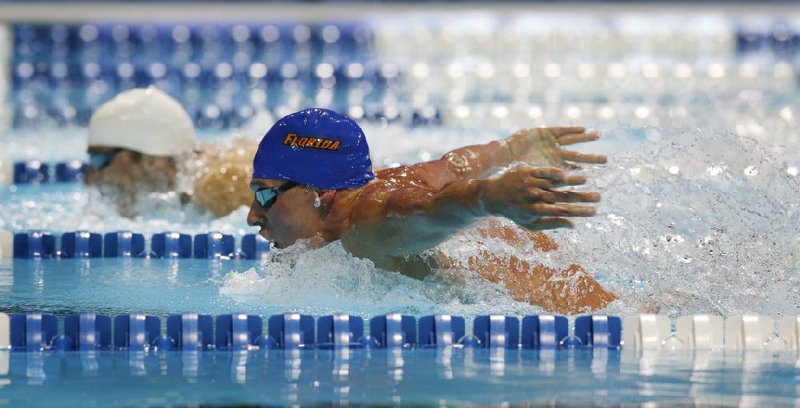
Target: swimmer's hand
[(542, 146), (528, 196)]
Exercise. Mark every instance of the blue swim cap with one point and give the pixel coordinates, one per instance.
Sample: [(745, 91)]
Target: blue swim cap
[(316, 147)]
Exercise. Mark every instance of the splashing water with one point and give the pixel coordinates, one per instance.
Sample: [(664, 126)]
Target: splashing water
[(691, 221), (696, 221), (328, 279)]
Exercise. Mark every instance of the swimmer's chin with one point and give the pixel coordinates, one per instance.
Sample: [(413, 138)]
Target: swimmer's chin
[(313, 242), (274, 242)]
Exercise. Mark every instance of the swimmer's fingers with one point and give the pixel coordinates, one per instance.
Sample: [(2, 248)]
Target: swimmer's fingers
[(548, 173), (574, 138), (569, 180), (554, 177), (583, 157), (552, 184), (566, 130), (549, 223), (539, 195), (575, 197), (562, 210), (553, 197)]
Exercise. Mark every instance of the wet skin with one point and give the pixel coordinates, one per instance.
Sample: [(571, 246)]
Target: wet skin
[(404, 212), (220, 178), (128, 172)]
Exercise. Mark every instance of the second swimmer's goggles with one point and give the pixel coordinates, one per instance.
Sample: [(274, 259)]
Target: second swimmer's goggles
[(99, 160), (267, 196)]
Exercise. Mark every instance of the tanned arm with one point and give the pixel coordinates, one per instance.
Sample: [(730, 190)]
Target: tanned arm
[(398, 217), (537, 146)]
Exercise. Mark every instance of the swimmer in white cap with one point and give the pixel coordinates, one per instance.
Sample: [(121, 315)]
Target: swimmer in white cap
[(142, 139)]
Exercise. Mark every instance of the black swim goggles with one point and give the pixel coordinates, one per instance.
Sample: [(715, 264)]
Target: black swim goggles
[(268, 195)]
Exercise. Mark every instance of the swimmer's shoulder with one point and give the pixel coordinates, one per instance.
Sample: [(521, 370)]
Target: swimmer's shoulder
[(433, 174)]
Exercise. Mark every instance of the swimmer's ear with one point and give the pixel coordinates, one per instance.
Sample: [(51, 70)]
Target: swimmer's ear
[(326, 198)]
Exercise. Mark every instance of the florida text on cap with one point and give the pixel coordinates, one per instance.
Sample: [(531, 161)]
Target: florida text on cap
[(315, 147)]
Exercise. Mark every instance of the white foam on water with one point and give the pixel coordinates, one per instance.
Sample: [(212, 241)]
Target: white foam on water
[(714, 237), (328, 279)]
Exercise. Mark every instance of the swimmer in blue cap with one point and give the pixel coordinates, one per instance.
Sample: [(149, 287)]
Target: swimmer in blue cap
[(312, 177)]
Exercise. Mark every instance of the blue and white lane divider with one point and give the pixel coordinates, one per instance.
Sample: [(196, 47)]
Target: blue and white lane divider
[(39, 172), (197, 332), (123, 244)]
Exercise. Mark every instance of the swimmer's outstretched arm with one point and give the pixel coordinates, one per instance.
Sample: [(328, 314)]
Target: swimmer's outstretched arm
[(538, 146), (390, 221)]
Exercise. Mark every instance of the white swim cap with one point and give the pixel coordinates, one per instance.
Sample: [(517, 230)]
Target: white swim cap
[(145, 120)]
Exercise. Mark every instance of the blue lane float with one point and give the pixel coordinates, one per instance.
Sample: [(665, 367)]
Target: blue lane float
[(123, 244), (81, 244), (171, 245), (599, 331), (292, 331), (440, 330), (238, 331), (497, 331), (126, 244), (32, 331), (34, 244), (394, 330), (191, 331), (254, 246), (341, 330), (136, 332), (213, 245), (73, 171), (544, 331), (38, 172), (85, 331), (31, 172)]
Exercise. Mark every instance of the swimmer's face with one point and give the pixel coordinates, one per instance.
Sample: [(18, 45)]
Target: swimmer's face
[(128, 169), (291, 216), (121, 174)]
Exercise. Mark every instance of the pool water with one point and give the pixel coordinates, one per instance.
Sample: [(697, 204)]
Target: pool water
[(698, 118), (401, 377)]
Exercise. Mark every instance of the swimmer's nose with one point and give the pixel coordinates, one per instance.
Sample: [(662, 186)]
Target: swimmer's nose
[(90, 176), (256, 216)]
